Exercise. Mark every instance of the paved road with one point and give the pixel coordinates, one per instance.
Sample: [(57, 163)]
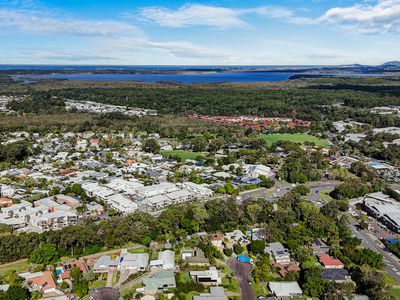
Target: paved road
[(316, 189), (242, 272), (392, 263)]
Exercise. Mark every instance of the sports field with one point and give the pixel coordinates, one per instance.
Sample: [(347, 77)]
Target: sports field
[(182, 154), (297, 138)]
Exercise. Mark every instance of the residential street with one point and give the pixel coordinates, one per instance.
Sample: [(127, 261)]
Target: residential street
[(242, 271), (391, 262)]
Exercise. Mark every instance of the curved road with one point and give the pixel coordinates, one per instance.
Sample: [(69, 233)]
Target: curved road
[(242, 272)]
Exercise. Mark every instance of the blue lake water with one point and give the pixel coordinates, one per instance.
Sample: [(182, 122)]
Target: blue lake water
[(184, 78), (189, 77), (183, 74)]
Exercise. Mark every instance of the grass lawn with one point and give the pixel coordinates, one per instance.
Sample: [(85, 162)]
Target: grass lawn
[(260, 289), (325, 195), (190, 295), (138, 250), (184, 277), (19, 267), (182, 154), (115, 277), (395, 293), (97, 284), (389, 279), (297, 138)]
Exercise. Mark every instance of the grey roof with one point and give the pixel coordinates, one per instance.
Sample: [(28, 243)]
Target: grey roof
[(135, 260), (103, 262), (216, 293), (104, 294), (285, 289), (159, 280), (334, 274)]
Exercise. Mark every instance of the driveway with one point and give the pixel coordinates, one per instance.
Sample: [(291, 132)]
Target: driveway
[(242, 272)]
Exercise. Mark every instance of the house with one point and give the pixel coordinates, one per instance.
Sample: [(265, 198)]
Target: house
[(216, 293), (207, 277), (236, 237), (217, 240), (336, 275), (194, 257), (105, 293), (4, 287), (255, 171), (283, 269), (166, 260), (198, 189), (134, 261), (279, 253), (318, 246), (94, 209), (41, 281), (104, 264), (257, 234), (5, 202), (160, 281), (285, 290), (66, 267), (329, 262), (121, 203)]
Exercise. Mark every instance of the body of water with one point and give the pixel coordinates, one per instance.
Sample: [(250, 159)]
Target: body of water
[(184, 78), (182, 74)]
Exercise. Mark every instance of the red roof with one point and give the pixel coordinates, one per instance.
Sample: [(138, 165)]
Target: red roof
[(326, 260), (68, 266)]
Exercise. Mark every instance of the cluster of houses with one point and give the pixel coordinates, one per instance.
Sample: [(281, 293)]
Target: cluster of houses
[(254, 122), (4, 100), (125, 181), (50, 213), (102, 108), (386, 110), (157, 269)]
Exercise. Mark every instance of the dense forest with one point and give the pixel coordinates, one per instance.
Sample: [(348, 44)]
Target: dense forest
[(316, 99)]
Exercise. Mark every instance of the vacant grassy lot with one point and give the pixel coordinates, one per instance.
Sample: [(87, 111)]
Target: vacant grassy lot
[(297, 138), (19, 267), (138, 250), (182, 154)]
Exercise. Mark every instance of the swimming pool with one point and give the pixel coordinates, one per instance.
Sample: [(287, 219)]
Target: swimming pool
[(59, 271)]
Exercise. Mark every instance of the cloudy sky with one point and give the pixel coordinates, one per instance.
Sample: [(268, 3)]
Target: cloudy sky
[(203, 32)]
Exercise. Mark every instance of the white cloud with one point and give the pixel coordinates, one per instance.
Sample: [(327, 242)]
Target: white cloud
[(195, 14), (383, 16), (213, 16), (118, 38), (65, 56), (35, 22)]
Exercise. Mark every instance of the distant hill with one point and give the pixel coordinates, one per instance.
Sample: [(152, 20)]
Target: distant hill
[(395, 63)]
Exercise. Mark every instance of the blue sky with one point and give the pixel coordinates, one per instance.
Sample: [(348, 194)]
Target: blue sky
[(224, 32)]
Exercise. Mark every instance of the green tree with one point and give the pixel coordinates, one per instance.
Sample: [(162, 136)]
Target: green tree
[(16, 292), (301, 189), (228, 251), (151, 146), (256, 247), (45, 254), (237, 249)]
